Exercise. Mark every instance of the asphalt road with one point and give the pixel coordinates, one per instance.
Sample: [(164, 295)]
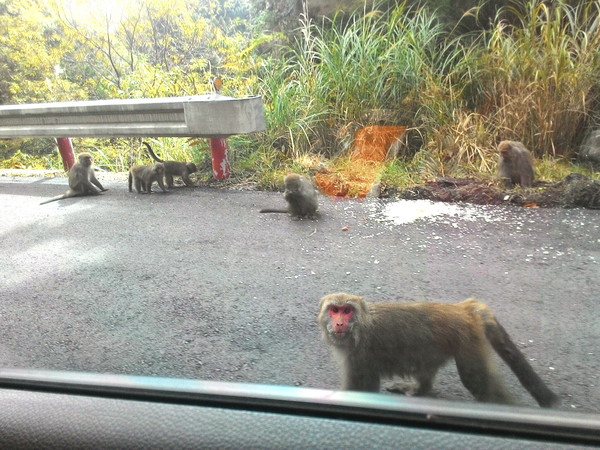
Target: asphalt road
[(196, 283)]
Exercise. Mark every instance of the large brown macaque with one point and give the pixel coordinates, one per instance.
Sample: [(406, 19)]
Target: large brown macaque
[(174, 168), (300, 195), (381, 340), (81, 179), (515, 165), (144, 176)]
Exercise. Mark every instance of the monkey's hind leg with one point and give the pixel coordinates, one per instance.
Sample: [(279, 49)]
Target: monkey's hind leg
[(479, 374)]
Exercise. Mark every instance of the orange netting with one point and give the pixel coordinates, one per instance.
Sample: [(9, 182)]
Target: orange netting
[(371, 146)]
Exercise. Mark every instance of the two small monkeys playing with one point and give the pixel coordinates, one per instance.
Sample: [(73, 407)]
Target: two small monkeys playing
[(144, 176)]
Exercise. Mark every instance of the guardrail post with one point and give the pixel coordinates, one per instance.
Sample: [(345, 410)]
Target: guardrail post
[(218, 146), (65, 147), (220, 164)]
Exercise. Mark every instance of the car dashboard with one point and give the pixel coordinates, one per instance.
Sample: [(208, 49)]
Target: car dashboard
[(47, 409)]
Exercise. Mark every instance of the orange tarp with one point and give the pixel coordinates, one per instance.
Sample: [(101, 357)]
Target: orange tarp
[(371, 146)]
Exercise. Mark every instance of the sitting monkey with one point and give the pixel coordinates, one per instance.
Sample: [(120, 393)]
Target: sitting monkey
[(300, 195), (515, 165), (81, 179)]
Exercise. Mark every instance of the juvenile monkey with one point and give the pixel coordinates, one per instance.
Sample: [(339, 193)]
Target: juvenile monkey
[(380, 340), (174, 168), (144, 176), (515, 165), (81, 179), (301, 196)]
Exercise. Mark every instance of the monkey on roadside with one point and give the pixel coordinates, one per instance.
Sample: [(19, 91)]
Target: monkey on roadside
[(300, 195), (380, 340), (515, 165), (81, 179), (144, 176), (174, 168)]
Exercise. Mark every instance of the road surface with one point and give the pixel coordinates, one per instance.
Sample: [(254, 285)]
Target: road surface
[(196, 283)]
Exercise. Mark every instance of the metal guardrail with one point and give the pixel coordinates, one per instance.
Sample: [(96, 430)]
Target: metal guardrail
[(211, 115)]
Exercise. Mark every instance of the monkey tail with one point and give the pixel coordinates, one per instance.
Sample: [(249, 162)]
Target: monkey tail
[(130, 181), (271, 210), (151, 152), (53, 199), (517, 362)]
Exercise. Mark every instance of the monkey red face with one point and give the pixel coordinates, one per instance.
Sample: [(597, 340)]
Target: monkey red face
[(505, 153), (341, 318)]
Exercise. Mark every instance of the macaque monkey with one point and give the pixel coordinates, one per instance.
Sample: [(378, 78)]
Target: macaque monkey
[(380, 340), (144, 176), (515, 165), (174, 168), (301, 196), (81, 179)]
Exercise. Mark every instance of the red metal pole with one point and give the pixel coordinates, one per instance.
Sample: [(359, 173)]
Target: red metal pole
[(218, 146), (220, 165), (65, 147)]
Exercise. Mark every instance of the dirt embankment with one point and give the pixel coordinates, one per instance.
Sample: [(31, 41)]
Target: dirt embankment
[(574, 190)]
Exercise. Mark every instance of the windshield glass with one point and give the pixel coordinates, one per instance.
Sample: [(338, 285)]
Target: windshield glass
[(410, 207)]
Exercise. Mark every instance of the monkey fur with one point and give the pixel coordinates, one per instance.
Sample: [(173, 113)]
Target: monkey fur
[(380, 340), (81, 179), (174, 168), (515, 165), (300, 195), (144, 176)]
